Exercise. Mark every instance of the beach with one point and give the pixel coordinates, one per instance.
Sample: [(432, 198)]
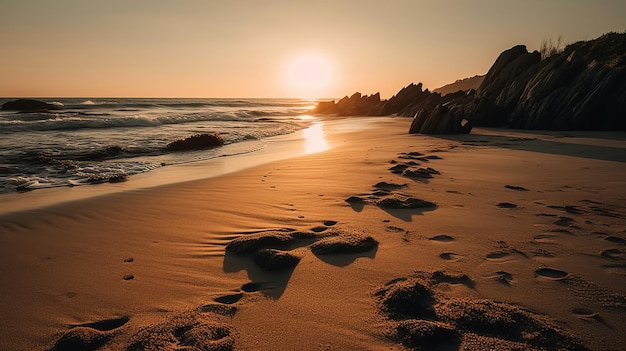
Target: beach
[(532, 224)]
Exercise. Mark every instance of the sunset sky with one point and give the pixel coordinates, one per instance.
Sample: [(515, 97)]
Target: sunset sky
[(279, 48)]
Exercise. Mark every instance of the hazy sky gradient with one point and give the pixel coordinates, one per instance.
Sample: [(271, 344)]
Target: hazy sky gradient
[(238, 48)]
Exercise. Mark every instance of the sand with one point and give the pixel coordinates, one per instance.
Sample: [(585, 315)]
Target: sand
[(504, 239)]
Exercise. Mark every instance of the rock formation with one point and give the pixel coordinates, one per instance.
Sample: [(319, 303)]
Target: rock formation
[(196, 142), (29, 105), (355, 105), (581, 88)]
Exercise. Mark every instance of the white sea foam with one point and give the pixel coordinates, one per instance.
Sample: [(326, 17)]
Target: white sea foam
[(92, 140)]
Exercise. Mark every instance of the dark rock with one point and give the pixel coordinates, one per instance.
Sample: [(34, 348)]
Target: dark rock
[(196, 142), (326, 107), (581, 88), (355, 105), (443, 119), (29, 105), (408, 95)]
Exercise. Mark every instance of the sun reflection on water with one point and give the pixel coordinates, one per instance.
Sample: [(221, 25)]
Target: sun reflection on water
[(315, 139)]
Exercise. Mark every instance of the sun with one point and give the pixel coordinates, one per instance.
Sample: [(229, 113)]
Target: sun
[(309, 76)]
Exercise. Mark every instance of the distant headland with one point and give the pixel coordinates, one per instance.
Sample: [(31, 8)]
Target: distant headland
[(582, 87)]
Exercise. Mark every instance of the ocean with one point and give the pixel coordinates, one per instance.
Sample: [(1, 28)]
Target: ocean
[(91, 141)]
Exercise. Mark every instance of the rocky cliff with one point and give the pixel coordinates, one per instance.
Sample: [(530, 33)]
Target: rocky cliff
[(581, 88)]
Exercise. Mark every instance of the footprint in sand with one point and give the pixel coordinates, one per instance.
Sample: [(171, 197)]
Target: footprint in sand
[(614, 254), (503, 277), (542, 253), (389, 186), (584, 312), (564, 221), (229, 299), (588, 315), (451, 256), (545, 238), (561, 231), (551, 273), (615, 239), (67, 295), (498, 256), (391, 228), (251, 287), (129, 260), (104, 325), (129, 277), (453, 278), (442, 238), (619, 269), (323, 227), (506, 205), (546, 215), (514, 187)]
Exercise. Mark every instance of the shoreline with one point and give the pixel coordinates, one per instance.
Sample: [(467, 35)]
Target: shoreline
[(305, 141), (142, 257)]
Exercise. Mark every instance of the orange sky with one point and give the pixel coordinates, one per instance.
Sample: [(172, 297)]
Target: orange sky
[(237, 48)]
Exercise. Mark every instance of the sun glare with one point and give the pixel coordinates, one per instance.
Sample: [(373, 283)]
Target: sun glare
[(315, 139), (309, 76)]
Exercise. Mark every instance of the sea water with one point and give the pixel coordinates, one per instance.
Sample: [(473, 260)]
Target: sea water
[(89, 141)]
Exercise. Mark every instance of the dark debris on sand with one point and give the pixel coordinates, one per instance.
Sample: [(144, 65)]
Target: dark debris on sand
[(425, 319)]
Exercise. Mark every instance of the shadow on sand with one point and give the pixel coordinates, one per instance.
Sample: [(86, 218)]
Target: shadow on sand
[(271, 284), (343, 260), (557, 143)]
